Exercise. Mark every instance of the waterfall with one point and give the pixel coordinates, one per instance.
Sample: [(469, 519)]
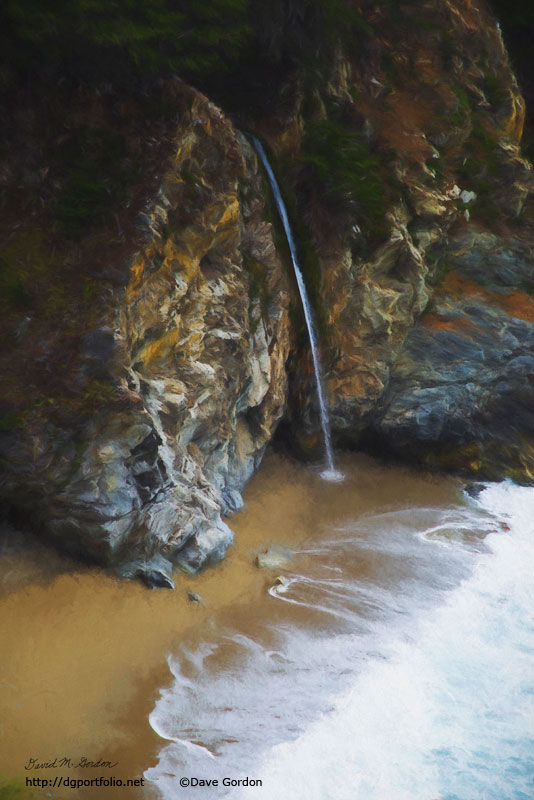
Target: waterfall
[(330, 473)]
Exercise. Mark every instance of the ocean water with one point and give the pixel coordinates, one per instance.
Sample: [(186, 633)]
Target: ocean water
[(392, 660)]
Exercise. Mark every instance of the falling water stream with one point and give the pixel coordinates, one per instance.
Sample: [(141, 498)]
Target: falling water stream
[(330, 473)]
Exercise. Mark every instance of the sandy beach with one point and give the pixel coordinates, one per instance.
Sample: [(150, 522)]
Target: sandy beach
[(85, 654)]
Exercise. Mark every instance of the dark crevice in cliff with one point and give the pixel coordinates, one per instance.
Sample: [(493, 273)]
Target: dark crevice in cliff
[(517, 21), (153, 335)]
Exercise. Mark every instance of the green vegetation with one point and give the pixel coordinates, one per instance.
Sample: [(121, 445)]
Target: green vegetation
[(113, 40), (210, 43), (481, 171), (305, 32), (497, 92), (14, 292), (284, 170), (24, 257), (480, 167), (257, 289), (342, 164), (9, 422), (436, 165), (98, 172), (463, 107), (484, 141)]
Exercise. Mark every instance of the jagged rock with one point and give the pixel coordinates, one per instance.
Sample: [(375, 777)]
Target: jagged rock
[(449, 387), (197, 366), (156, 572), (177, 370), (460, 392), (207, 547), (473, 489)]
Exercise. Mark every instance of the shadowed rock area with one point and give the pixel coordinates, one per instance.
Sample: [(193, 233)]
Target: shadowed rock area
[(153, 338), (194, 349), (460, 391)]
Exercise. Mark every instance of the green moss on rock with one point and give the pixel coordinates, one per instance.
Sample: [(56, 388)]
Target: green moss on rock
[(341, 161)]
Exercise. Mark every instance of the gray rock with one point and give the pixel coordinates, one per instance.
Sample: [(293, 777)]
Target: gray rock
[(465, 382), (182, 357), (205, 548), (156, 572)]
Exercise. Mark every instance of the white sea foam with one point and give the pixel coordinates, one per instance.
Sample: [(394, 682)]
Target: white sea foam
[(424, 692), (449, 715)]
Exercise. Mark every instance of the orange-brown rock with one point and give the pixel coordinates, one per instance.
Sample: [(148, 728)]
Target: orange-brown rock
[(434, 116), (398, 153), (195, 348)]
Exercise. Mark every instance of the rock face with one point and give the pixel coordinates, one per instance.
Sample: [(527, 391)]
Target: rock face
[(460, 393), (410, 204), (431, 115), (196, 345)]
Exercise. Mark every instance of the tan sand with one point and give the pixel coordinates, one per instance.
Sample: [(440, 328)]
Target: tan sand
[(83, 654)]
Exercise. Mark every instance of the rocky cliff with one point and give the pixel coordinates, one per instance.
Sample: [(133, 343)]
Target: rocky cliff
[(406, 166), (192, 352), (143, 379)]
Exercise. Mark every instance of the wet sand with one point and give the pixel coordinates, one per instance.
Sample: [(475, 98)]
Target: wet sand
[(84, 654)]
